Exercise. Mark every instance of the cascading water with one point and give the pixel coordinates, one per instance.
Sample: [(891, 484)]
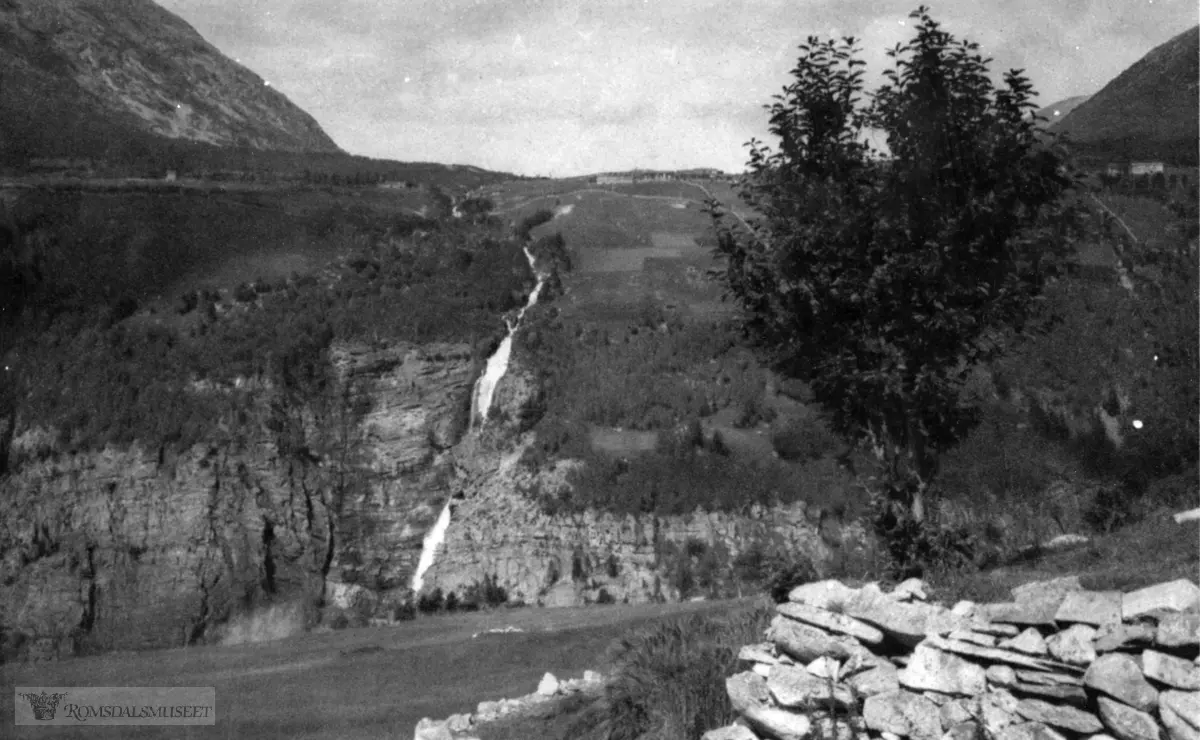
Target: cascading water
[(481, 404)]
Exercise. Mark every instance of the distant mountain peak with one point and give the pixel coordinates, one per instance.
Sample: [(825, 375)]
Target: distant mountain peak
[(1149, 111), (142, 67)]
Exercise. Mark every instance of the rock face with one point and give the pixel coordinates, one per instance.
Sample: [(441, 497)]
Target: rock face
[(142, 68), (320, 519), (131, 549), (955, 688)]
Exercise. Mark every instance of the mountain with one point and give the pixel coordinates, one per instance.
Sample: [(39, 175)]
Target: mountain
[(102, 78), (1148, 112), (1056, 113)]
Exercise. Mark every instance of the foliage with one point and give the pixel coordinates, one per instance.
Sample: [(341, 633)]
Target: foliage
[(882, 283), (776, 571), (668, 679), (803, 440)]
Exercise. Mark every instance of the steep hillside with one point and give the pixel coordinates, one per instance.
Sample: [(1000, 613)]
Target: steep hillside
[(1057, 112), (129, 69), (1148, 111)]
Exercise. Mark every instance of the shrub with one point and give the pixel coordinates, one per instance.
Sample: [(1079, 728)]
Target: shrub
[(604, 597), (451, 603), (668, 679), (431, 602), (803, 439), (405, 611), (245, 293)]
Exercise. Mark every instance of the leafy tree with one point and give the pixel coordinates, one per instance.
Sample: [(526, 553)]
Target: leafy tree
[(881, 281)]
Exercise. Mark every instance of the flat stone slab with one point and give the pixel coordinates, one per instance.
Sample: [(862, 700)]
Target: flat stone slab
[(1090, 607), (1029, 731), (832, 622), (1181, 595), (730, 732), (995, 628), (1119, 676), (1073, 645), (806, 643), (1068, 718), (998, 655), (931, 669), (1178, 728), (822, 594), (795, 688), (907, 623), (763, 652), (1029, 613), (878, 680), (1001, 675), (1049, 679), (1178, 630), (1185, 705), (1110, 637), (1176, 673), (1029, 642), (978, 638), (1127, 723), (1074, 695), (904, 713)]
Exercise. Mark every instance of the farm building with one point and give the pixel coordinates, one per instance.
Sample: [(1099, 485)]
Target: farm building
[(614, 179)]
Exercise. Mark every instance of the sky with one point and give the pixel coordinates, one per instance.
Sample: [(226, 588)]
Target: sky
[(569, 87)]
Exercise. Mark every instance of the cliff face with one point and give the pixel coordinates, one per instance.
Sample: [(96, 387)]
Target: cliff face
[(130, 549), (140, 66)]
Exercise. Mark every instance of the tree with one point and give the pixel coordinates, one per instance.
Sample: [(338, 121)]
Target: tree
[(882, 281)]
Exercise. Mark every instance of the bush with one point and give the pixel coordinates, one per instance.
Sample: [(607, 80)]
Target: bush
[(668, 679), (405, 611), (245, 293), (604, 597), (431, 602), (803, 440), (451, 603)]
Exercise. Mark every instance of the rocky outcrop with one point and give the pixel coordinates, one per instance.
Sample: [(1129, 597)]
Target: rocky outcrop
[(944, 674), (247, 536), (140, 65)]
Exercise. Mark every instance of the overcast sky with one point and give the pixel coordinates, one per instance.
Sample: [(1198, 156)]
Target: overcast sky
[(564, 87)]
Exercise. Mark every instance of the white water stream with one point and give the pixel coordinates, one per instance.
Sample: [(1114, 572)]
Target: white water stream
[(481, 404)]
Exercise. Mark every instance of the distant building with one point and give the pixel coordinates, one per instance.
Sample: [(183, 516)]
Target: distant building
[(172, 176), (614, 179), (1145, 168)]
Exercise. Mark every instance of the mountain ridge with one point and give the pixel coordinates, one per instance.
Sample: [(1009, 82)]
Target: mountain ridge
[(133, 68)]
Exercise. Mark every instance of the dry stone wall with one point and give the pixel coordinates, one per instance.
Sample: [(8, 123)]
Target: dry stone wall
[(1057, 662)]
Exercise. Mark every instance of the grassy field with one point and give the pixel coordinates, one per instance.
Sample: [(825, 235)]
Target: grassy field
[(357, 684)]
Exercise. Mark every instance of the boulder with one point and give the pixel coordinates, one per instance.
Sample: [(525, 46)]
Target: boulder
[(824, 667), (903, 713), (931, 669), (822, 594), (1181, 595), (431, 729), (1182, 704), (1028, 731), (1178, 727), (746, 690), (1068, 718), (487, 711), (778, 723), (1119, 676), (963, 609), (1030, 642), (1127, 723), (793, 687), (955, 712), (962, 731), (763, 669), (907, 623), (878, 680), (997, 710), (806, 643), (592, 677), (1027, 613), (1001, 675), (1090, 607), (548, 686), (458, 722), (907, 590), (1110, 637), (1178, 630), (730, 732), (832, 622), (1055, 588), (1073, 645), (761, 653), (1167, 669)]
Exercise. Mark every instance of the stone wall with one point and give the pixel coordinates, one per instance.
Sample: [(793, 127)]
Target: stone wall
[(1057, 662)]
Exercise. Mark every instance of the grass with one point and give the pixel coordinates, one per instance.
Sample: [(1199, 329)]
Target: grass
[(667, 682), (357, 684)]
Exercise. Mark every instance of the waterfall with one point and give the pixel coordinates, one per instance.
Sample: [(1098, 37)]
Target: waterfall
[(481, 404)]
